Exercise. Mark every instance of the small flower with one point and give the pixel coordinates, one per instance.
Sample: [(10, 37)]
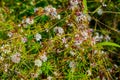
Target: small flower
[(38, 63), (56, 73), (5, 48), (66, 45), (6, 67), (24, 39), (19, 25), (100, 11), (72, 64), (70, 24), (64, 40), (98, 37), (93, 65), (89, 73), (74, 2), (29, 21), (89, 18), (59, 30), (49, 78), (78, 40), (72, 53), (93, 42), (116, 66), (35, 10), (1, 58), (10, 34), (43, 58), (85, 34), (34, 75), (38, 37), (49, 10), (16, 58), (81, 18), (58, 17), (107, 38), (104, 5)]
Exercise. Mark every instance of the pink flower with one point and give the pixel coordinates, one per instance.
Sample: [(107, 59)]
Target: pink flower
[(24, 39)]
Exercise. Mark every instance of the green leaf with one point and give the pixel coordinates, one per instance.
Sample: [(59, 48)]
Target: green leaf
[(85, 6), (108, 44)]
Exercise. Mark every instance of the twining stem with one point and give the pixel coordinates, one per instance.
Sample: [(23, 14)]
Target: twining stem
[(85, 7)]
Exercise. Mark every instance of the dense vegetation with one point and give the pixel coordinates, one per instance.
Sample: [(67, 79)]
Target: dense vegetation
[(59, 39)]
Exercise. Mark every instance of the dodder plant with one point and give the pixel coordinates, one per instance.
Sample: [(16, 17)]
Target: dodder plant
[(52, 42)]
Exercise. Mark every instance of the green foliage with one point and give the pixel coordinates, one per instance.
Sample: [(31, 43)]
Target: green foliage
[(59, 39), (3, 35), (108, 44)]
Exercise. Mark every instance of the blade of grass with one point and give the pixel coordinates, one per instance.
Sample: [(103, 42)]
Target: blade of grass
[(108, 44)]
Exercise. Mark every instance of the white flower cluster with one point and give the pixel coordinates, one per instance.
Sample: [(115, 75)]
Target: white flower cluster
[(78, 40), (24, 39), (98, 37), (38, 62), (49, 10), (59, 30), (49, 78), (72, 53), (16, 58), (43, 57), (73, 4), (89, 72), (34, 75), (81, 18), (38, 37), (72, 64), (10, 34), (5, 48), (29, 21)]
